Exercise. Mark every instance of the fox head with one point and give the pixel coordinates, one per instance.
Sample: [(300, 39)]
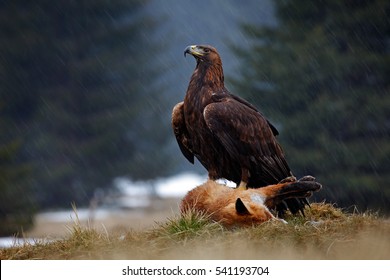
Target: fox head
[(245, 211)]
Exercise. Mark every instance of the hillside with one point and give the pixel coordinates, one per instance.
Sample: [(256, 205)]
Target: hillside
[(325, 232)]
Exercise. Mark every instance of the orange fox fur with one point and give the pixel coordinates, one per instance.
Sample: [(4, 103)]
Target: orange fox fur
[(236, 207)]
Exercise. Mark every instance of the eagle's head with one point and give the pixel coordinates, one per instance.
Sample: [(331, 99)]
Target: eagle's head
[(204, 53)]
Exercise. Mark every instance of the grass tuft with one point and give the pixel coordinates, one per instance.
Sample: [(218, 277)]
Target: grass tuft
[(189, 225)]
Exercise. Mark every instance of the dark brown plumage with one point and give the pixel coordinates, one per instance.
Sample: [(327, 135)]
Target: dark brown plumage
[(228, 135)]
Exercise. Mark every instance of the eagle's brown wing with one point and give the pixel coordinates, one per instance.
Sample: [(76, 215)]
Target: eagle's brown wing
[(181, 133), (248, 138), (246, 103)]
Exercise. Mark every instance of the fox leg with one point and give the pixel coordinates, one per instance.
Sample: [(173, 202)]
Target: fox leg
[(289, 179), (307, 178), (271, 191), (297, 189)]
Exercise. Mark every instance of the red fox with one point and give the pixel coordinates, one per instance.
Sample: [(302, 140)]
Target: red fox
[(237, 207)]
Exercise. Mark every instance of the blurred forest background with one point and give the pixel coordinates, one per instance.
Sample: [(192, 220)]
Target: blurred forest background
[(87, 88)]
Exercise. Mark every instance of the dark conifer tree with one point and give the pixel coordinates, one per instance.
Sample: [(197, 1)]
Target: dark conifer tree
[(77, 80), (322, 76)]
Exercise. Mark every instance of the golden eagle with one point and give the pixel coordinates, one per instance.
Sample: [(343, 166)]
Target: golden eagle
[(227, 134)]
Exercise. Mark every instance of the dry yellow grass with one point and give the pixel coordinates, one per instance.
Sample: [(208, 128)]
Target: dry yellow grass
[(325, 232)]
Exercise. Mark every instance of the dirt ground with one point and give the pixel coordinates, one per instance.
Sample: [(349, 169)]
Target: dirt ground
[(105, 220)]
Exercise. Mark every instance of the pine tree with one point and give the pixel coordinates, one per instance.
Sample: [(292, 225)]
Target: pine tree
[(321, 75), (75, 75), (17, 203)]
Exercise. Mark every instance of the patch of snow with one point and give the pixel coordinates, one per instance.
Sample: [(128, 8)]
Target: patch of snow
[(83, 214), (179, 185), (133, 188), (7, 242), (129, 202), (175, 186)]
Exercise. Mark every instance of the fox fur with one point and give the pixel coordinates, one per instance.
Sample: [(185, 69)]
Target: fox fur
[(238, 207)]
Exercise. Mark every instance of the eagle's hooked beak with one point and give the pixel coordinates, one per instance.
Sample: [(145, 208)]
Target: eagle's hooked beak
[(193, 50)]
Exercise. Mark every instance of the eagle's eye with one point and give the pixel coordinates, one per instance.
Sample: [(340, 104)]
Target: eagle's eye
[(206, 50)]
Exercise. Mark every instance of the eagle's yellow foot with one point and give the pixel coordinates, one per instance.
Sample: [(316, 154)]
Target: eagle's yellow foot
[(242, 186)]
